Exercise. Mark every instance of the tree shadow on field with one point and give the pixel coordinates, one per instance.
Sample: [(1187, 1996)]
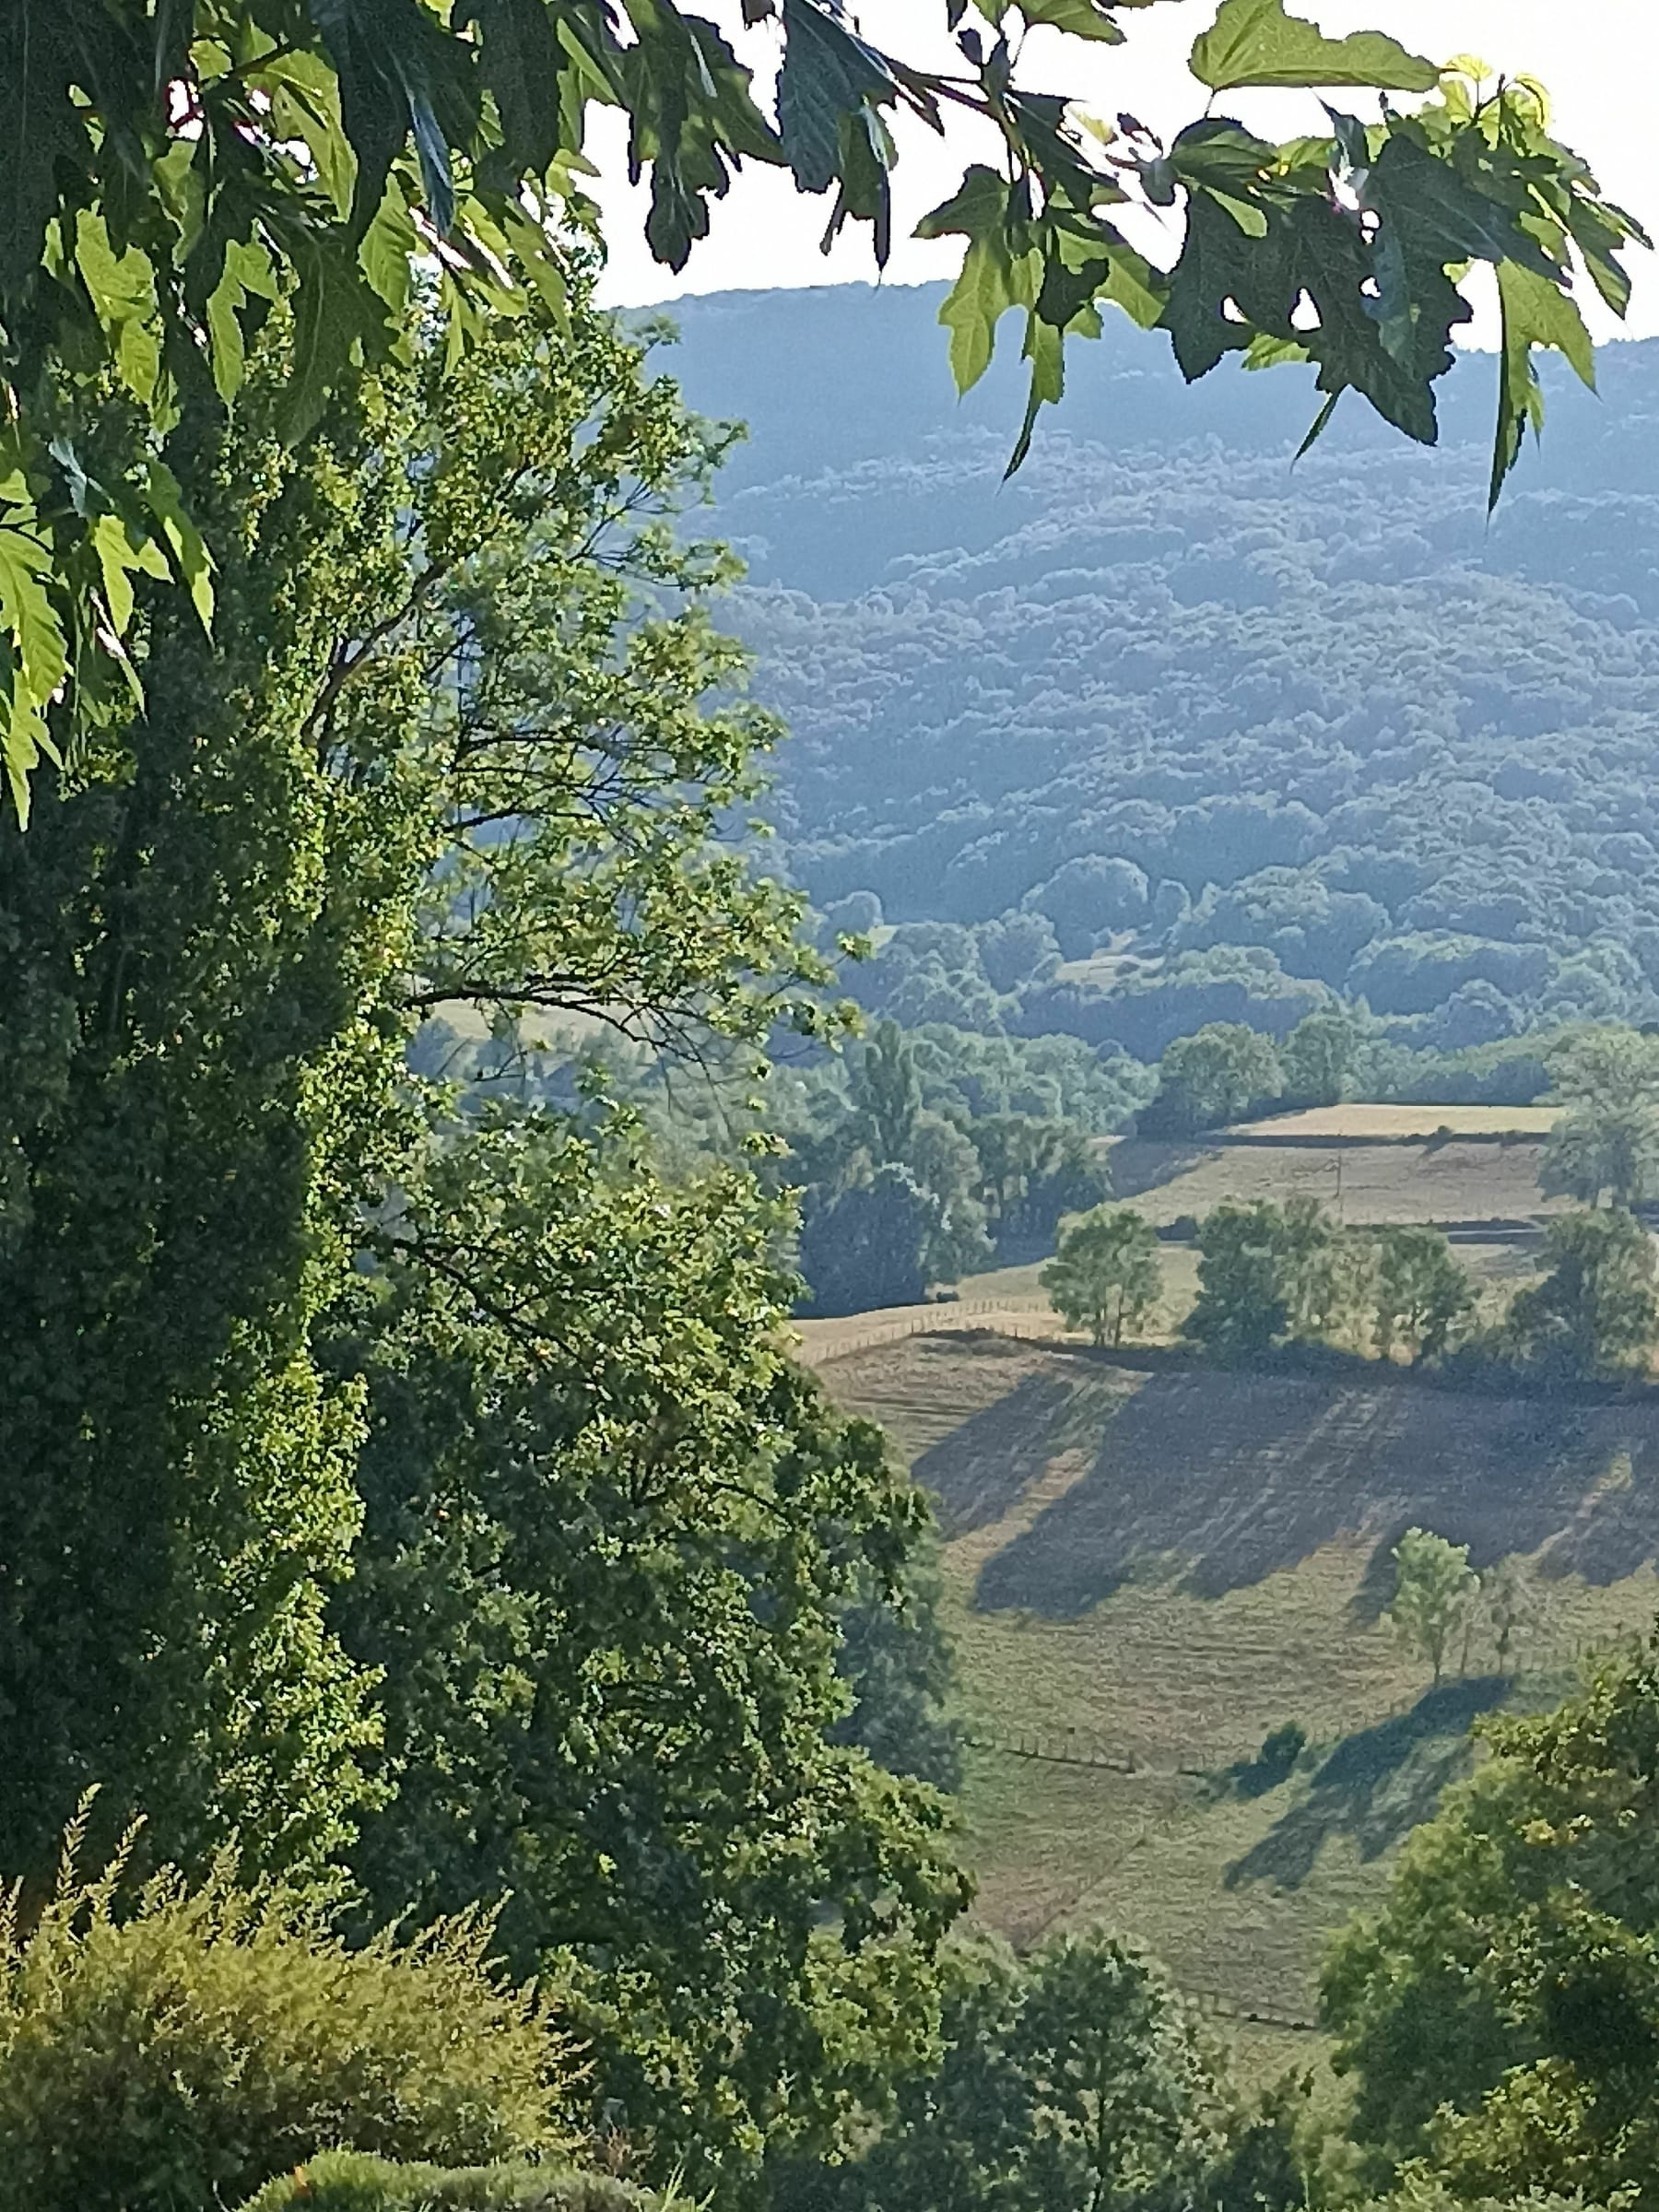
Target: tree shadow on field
[(979, 1471), (1146, 1163), (1376, 1785), (1223, 1478)]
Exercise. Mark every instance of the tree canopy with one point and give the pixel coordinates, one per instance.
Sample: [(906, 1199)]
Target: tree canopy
[(176, 170)]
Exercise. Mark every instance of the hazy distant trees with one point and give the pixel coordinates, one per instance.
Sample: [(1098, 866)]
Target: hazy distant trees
[(1105, 1277), (1251, 1260), (1606, 1143), (1604, 1151), (1319, 1059), (1030, 1171)]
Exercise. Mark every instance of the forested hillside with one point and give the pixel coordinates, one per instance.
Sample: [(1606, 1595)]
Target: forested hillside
[(1328, 729)]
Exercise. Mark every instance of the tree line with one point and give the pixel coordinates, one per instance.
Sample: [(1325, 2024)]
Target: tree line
[(1272, 1275)]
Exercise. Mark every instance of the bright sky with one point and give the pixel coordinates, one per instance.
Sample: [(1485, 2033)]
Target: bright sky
[(1597, 57)]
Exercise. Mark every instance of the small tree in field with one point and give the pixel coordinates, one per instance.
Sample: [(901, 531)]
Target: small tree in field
[(1105, 1276), (1422, 1293), (1510, 1597), (1433, 1584)]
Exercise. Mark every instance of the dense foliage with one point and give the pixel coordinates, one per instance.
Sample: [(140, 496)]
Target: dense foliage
[(1498, 2015), (344, 2181), (323, 1367), (175, 170), (1067, 2081)]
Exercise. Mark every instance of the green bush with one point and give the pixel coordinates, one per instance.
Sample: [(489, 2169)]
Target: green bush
[(177, 2050), (344, 2181)]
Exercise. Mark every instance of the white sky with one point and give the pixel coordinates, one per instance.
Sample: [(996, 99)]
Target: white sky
[(1596, 57)]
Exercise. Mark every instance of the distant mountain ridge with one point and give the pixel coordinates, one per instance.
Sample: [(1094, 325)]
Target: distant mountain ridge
[(1360, 737)]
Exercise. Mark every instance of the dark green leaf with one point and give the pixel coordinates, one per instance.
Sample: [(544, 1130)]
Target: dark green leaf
[(828, 73)]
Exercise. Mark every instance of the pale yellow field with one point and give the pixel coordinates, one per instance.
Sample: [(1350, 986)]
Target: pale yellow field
[(1375, 1184), (1397, 1124)]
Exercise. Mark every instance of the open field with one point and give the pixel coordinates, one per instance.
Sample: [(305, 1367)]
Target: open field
[(1148, 1565), (1460, 1180), (1401, 1124)]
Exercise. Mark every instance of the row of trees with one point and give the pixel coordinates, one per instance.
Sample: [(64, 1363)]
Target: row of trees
[(1271, 1275)]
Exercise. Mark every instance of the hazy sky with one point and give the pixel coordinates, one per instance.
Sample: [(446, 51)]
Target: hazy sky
[(1596, 57)]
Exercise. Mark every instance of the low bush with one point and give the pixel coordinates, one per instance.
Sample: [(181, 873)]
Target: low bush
[(348, 2181), (179, 2047)]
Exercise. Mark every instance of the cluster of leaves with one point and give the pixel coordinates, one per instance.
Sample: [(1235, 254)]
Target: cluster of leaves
[(178, 170)]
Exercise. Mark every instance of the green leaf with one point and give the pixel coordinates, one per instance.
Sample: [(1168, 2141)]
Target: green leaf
[(1045, 349), (1534, 313), (1134, 286), (991, 281), (1441, 216), (123, 552), (33, 657), (978, 206), (122, 288), (1082, 19), (189, 556), (247, 274), (39, 654), (1212, 269), (828, 73), (1255, 42)]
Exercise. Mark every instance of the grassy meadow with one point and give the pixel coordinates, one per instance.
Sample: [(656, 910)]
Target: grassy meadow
[(1148, 1566)]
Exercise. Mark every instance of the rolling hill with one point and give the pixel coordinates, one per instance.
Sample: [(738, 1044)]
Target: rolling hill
[(1332, 731)]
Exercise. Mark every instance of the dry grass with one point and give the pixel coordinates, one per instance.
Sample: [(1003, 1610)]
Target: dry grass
[(1401, 1123), (1361, 1184), (1166, 1563)]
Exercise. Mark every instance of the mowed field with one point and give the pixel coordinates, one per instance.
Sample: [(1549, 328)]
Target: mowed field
[(1148, 1565), (1441, 1179)]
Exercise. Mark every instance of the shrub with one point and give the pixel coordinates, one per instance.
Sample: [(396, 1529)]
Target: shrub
[(345, 2181), (181, 2049)]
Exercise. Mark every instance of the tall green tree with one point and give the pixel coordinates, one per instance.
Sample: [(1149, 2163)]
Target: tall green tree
[(1105, 1277), (1434, 1587), (609, 1537), (1421, 1292), (173, 168), (1268, 1273), (1207, 1080), (1604, 1150), (1596, 1311), (286, 1311), (1319, 1059)]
